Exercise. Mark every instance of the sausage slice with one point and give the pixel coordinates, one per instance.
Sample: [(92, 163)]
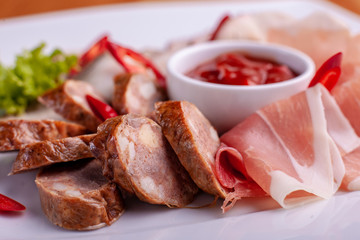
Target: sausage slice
[(77, 196), (136, 93), (69, 101), (16, 133), (44, 153), (194, 140), (138, 158)]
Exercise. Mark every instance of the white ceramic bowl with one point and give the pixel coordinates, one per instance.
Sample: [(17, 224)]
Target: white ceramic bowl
[(227, 105)]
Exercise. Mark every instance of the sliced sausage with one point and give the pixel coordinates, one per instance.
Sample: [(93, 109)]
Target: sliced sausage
[(194, 140), (138, 158), (69, 101), (48, 152), (16, 133), (76, 196), (136, 93)]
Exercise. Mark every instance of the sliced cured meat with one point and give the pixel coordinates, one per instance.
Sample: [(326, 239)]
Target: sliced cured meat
[(253, 26), (16, 133), (350, 68), (319, 35), (48, 152), (351, 181), (232, 174), (138, 158), (348, 96), (135, 93), (69, 101), (287, 150), (194, 140), (77, 196), (338, 126)]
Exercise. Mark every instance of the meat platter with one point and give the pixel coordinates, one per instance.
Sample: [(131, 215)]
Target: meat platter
[(143, 220)]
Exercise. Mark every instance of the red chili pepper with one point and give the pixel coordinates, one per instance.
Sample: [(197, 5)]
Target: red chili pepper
[(218, 28), (90, 55), (102, 110), (8, 204), (328, 74), (139, 63)]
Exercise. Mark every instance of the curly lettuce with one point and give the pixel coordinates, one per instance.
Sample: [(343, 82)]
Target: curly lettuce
[(34, 72)]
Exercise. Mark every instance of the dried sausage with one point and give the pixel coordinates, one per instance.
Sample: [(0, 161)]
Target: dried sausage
[(48, 152), (138, 158), (69, 101), (194, 140), (135, 93), (76, 196), (16, 133)]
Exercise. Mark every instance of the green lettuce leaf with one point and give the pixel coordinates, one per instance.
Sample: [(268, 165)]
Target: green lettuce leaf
[(34, 72)]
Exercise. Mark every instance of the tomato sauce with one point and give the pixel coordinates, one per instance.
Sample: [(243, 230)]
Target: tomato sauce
[(236, 68)]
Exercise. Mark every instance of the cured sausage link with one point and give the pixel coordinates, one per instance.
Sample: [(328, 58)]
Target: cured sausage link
[(16, 133), (69, 101), (136, 93), (48, 152), (138, 158), (77, 196), (194, 140)]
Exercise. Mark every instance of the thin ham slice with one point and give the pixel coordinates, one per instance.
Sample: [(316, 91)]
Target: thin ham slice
[(286, 149), (319, 35), (351, 181), (348, 98), (231, 173), (252, 26)]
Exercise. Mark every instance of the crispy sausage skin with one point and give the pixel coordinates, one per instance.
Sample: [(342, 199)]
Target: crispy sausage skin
[(194, 140), (69, 101), (17, 133), (76, 196), (48, 152), (138, 158)]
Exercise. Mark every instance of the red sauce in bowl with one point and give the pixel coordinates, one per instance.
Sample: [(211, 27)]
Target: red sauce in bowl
[(235, 68)]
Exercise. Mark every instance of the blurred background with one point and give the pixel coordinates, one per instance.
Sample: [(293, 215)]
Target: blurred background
[(14, 8)]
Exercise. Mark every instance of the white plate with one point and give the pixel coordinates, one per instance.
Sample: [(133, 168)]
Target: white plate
[(154, 25)]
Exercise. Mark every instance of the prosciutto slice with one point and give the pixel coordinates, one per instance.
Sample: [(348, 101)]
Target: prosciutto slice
[(348, 98), (287, 149), (321, 35), (351, 181)]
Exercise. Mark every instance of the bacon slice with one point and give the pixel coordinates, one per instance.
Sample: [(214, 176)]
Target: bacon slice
[(287, 150)]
